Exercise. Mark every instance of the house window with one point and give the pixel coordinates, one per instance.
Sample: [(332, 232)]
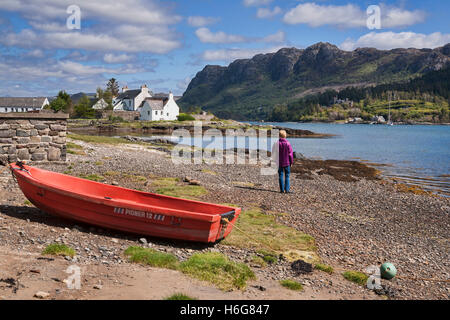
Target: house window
[(148, 112), (167, 114)]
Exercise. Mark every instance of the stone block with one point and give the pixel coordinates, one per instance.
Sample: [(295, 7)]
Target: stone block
[(23, 140), (38, 156), (46, 139), (40, 126), (6, 133), (57, 127), (60, 140), (54, 154), (35, 139), (22, 133), (23, 154)]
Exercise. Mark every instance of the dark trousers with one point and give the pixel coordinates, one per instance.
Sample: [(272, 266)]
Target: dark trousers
[(284, 183)]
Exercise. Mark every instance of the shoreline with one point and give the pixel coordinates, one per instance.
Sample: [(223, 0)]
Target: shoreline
[(167, 128), (356, 222)]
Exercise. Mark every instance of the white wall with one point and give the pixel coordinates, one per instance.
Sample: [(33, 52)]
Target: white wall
[(172, 109)]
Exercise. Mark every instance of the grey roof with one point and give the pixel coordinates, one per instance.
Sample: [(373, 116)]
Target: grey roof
[(156, 103), (166, 95), (129, 94), (27, 102)]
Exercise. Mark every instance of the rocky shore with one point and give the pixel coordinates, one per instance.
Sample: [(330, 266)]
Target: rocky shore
[(103, 127), (356, 219)]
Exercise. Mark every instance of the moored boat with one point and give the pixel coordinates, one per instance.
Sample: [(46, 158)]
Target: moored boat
[(123, 209)]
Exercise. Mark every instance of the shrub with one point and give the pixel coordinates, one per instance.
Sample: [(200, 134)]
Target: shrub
[(185, 117)]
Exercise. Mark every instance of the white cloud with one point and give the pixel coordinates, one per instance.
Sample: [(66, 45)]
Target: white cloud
[(234, 53), (264, 13), (198, 21), (395, 17), (126, 26), (349, 16), (119, 58), (143, 12), (392, 40), (278, 37), (183, 84), (206, 36), (256, 3), (125, 38)]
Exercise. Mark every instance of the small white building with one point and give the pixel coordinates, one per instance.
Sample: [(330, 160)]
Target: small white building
[(100, 105), (159, 108), (22, 104), (131, 100)]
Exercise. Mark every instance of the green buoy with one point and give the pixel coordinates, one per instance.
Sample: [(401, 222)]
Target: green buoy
[(388, 271)]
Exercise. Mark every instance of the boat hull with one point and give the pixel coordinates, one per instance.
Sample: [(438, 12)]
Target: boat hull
[(116, 208)]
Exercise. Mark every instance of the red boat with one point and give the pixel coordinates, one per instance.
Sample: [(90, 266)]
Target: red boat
[(124, 209)]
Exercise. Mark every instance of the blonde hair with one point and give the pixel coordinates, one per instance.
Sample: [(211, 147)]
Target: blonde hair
[(283, 134)]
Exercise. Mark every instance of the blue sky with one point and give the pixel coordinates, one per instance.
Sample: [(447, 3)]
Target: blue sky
[(165, 43)]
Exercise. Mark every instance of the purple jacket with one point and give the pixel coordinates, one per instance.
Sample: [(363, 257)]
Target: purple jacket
[(286, 154)]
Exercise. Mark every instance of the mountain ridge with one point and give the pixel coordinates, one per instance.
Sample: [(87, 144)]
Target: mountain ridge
[(248, 89)]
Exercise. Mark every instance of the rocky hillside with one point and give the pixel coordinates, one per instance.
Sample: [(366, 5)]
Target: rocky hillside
[(250, 88)]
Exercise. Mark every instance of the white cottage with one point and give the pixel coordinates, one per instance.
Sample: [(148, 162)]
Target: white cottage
[(131, 100), (100, 105), (22, 104), (159, 108)]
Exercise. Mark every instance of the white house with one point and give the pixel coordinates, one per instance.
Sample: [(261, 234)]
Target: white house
[(23, 104), (159, 108), (131, 100), (100, 105)]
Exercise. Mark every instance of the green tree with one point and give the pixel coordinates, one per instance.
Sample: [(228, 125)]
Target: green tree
[(107, 96), (113, 87), (84, 108), (62, 102)]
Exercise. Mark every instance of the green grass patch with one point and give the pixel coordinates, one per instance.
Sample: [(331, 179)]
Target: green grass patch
[(170, 187), (57, 249), (135, 178), (191, 192), (216, 268), (152, 257), (209, 172), (356, 277), (262, 230), (324, 267), (111, 173), (27, 203), (291, 285), (259, 261), (179, 296), (165, 182), (269, 257), (99, 163), (93, 177), (74, 148)]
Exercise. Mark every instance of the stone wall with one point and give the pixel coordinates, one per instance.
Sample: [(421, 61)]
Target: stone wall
[(125, 115), (32, 136)]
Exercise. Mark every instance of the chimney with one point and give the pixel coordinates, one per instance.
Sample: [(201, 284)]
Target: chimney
[(125, 89), (170, 95), (144, 89)]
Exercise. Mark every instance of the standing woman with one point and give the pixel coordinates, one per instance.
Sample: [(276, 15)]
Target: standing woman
[(286, 159)]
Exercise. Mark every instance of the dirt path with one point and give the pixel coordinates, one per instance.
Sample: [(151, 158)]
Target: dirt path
[(22, 274)]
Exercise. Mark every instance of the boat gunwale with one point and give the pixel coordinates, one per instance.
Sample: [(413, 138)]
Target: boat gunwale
[(122, 203)]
